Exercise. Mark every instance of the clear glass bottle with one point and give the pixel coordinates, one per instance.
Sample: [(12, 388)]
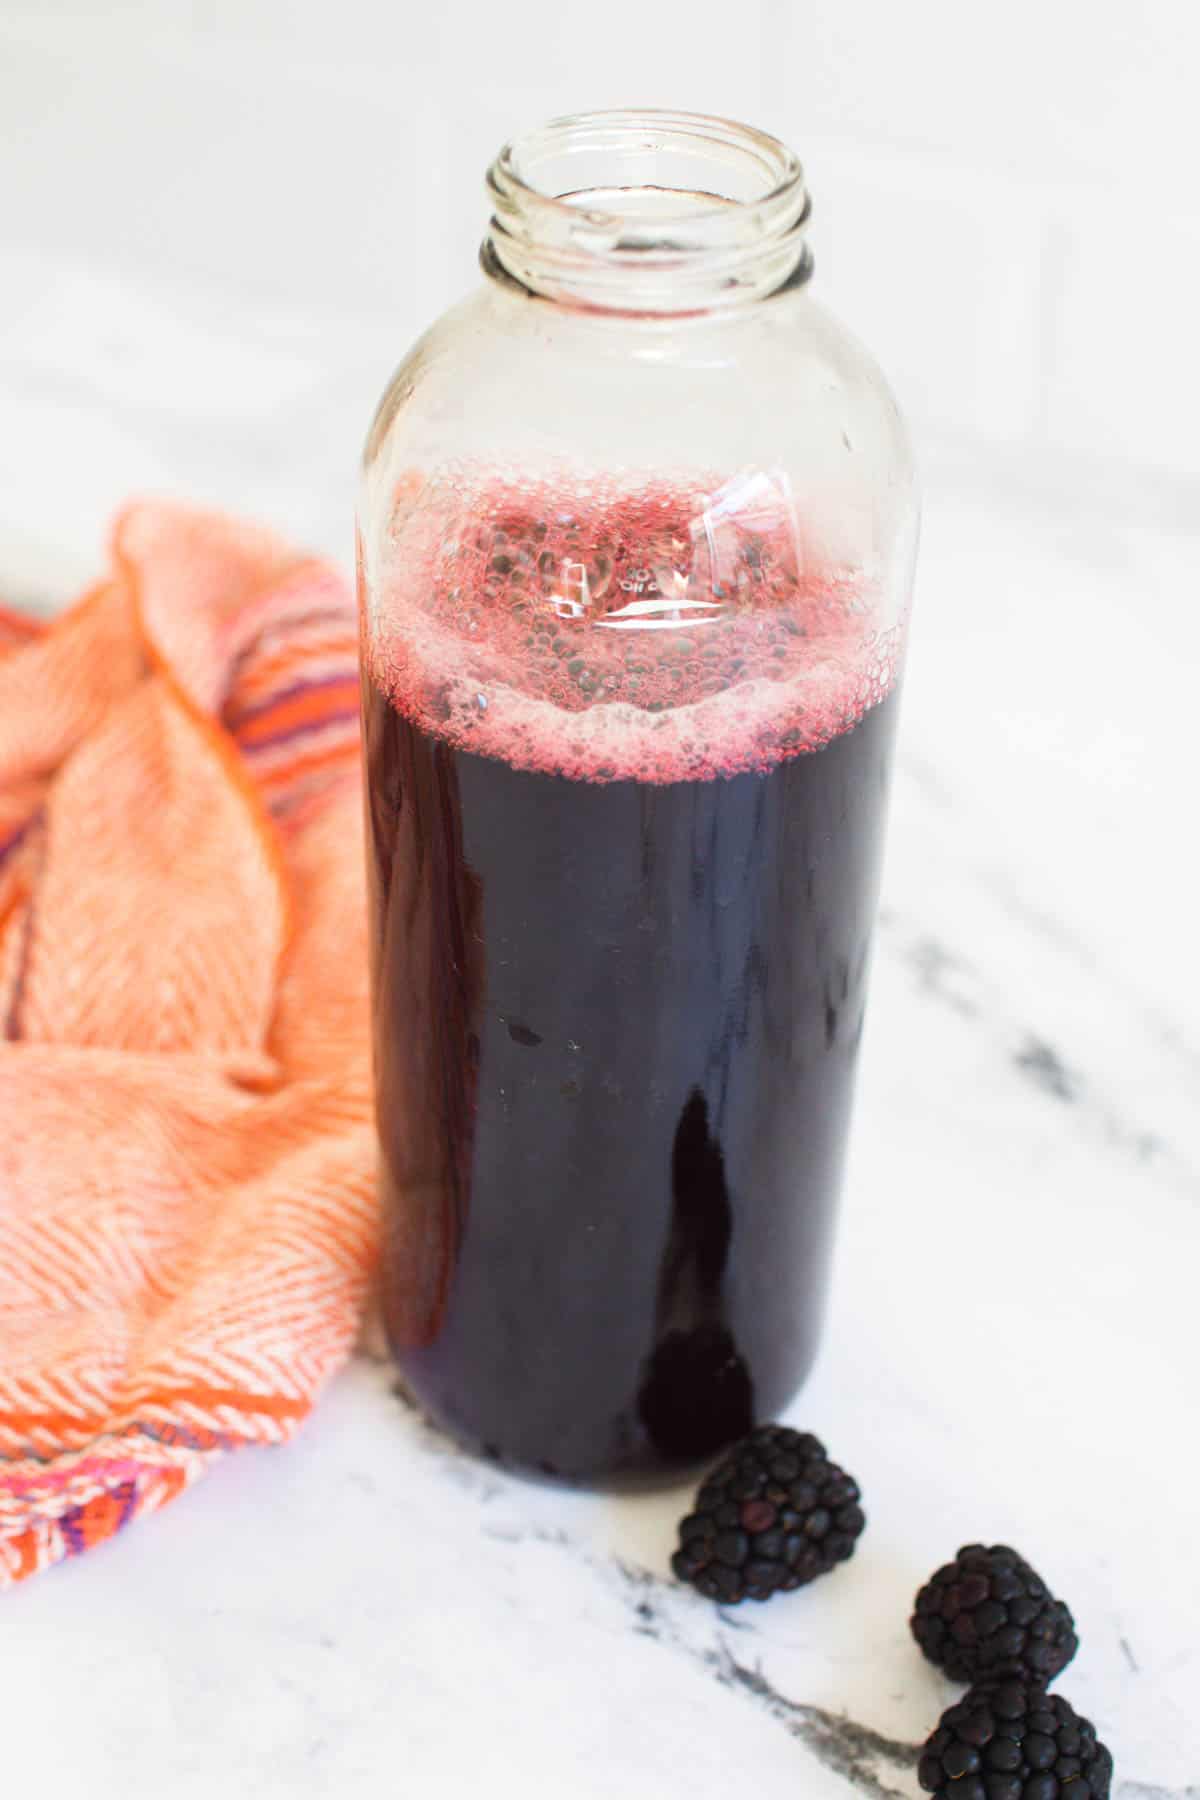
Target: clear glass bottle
[(636, 540)]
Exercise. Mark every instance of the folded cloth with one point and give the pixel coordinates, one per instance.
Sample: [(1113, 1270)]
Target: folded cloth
[(187, 1220)]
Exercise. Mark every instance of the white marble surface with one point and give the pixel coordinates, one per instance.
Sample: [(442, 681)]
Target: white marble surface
[(1012, 1352)]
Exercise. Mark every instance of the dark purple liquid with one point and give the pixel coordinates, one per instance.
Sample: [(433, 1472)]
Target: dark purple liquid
[(615, 1034)]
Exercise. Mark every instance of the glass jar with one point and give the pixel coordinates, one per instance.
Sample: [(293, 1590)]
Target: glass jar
[(636, 540)]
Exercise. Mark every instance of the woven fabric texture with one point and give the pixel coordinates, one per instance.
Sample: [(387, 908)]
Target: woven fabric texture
[(187, 1218)]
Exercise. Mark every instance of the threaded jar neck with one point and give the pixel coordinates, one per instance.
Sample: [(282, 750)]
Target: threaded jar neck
[(648, 213)]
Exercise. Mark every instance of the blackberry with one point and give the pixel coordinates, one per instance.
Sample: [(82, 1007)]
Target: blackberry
[(988, 1614), (1011, 1740), (773, 1516)]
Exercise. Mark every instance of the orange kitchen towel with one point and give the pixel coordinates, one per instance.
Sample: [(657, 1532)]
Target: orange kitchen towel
[(187, 1221)]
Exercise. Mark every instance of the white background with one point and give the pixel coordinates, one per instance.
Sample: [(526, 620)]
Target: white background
[(1005, 210)]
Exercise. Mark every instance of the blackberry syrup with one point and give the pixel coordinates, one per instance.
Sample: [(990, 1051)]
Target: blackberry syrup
[(619, 972)]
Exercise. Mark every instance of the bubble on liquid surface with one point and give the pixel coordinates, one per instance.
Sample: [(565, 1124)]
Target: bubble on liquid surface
[(609, 631)]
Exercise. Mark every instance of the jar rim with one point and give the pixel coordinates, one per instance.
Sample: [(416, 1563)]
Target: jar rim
[(581, 212)]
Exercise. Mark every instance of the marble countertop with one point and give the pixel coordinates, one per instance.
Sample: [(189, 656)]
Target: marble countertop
[(1012, 1350)]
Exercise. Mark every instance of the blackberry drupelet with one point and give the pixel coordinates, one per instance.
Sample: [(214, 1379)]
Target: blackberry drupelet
[(1010, 1740), (771, 1517), (988, 1614)]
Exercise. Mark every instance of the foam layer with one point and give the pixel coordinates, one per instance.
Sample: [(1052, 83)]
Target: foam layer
[(609, 632)]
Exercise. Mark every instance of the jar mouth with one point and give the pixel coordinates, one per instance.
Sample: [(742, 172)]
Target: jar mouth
[(648, 212)]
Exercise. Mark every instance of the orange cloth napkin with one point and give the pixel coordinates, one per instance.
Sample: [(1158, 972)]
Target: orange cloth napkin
[(187, 1219)]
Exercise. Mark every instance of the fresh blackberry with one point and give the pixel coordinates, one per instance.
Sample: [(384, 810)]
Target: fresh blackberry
[(988, 1614), (774, 1515), (1011, 1740)]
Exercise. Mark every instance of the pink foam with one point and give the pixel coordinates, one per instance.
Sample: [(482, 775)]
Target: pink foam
[(607, 631)]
